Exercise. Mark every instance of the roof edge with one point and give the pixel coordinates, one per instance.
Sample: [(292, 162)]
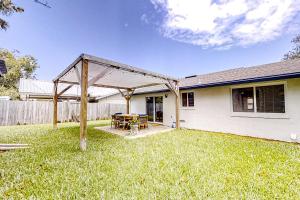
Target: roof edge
[(234, 82), (241, 81), (78, 59)]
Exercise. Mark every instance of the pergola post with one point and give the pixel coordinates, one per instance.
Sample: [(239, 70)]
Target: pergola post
[(55, 99), (174, 87), (127, 104), (83, 105), (127, 98), (177, 96)]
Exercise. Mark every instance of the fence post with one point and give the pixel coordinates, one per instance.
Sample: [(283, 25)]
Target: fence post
[(55, 99)]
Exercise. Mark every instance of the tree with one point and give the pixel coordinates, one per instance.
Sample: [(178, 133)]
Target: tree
[(295, 52), (17, 67), (7, 7)]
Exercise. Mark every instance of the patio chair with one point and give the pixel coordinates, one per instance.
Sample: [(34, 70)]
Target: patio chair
[(122, 122), (143, 121), (114, 120)]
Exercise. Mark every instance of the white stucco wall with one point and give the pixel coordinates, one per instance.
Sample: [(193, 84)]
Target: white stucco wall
[(213, 112), (114, 99), (138, 105)]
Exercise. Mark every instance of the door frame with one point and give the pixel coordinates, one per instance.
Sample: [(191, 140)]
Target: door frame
[(154, 111)]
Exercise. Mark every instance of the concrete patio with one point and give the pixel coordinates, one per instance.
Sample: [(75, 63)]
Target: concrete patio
[(153, 129)]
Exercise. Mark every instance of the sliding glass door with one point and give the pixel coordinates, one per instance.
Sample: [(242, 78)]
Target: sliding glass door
[(154, 109), (158, 109), (150, 108)]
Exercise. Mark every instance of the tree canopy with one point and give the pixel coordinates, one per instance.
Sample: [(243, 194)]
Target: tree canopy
[(17, 67), (295, 52), (7, 7)]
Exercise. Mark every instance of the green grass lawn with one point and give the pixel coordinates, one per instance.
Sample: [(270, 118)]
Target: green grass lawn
[(180, 164)]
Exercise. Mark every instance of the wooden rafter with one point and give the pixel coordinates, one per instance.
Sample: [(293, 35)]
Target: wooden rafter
[(99, 76), (96, 85)]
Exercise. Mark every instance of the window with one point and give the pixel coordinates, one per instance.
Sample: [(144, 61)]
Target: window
[(268, 99), (191, 99), (187, 99), (243, 100)]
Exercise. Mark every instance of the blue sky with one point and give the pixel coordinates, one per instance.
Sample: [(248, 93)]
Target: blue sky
[(172, 37)]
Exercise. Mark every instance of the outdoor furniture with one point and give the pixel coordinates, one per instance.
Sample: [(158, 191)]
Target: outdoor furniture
[(114, 122), (124, 120), (143, 121)]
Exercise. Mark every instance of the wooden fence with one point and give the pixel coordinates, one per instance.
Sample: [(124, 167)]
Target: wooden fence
[(40, 112)]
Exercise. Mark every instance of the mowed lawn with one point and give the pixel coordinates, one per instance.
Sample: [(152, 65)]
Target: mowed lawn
[(181, 164)]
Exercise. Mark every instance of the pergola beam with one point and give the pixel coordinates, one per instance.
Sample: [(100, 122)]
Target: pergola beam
[(147, 85)]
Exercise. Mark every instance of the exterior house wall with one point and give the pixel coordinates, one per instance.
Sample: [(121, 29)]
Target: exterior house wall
[(138, 106), (114, 99), (213, 112)]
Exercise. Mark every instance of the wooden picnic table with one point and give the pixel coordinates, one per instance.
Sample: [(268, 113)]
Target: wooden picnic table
[(124, 120)]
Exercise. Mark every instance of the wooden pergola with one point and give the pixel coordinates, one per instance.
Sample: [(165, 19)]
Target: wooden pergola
[(89, 70)]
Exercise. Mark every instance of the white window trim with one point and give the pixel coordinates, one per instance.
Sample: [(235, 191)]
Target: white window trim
[(187, 107), (256, 114)]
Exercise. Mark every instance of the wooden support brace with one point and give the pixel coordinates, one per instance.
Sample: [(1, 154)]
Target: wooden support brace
[(127, 98), (77, 74), (64, 90)]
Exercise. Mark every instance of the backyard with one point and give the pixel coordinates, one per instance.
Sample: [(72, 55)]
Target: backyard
[(176, 165)]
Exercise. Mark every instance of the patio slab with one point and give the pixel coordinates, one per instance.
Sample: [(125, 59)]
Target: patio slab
[(151, 130)]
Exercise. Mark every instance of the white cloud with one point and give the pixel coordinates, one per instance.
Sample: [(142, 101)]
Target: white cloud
[(226, 23), (144, 19)]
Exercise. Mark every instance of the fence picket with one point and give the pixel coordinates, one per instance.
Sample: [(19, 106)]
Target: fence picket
[(37, 112)]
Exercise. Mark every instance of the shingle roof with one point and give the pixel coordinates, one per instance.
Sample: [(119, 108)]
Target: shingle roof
[(272, 71), (277, 69), (3, 69)]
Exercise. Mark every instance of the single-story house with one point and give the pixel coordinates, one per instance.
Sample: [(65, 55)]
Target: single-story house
[(261, 101), (3, 69), (32, 89)]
